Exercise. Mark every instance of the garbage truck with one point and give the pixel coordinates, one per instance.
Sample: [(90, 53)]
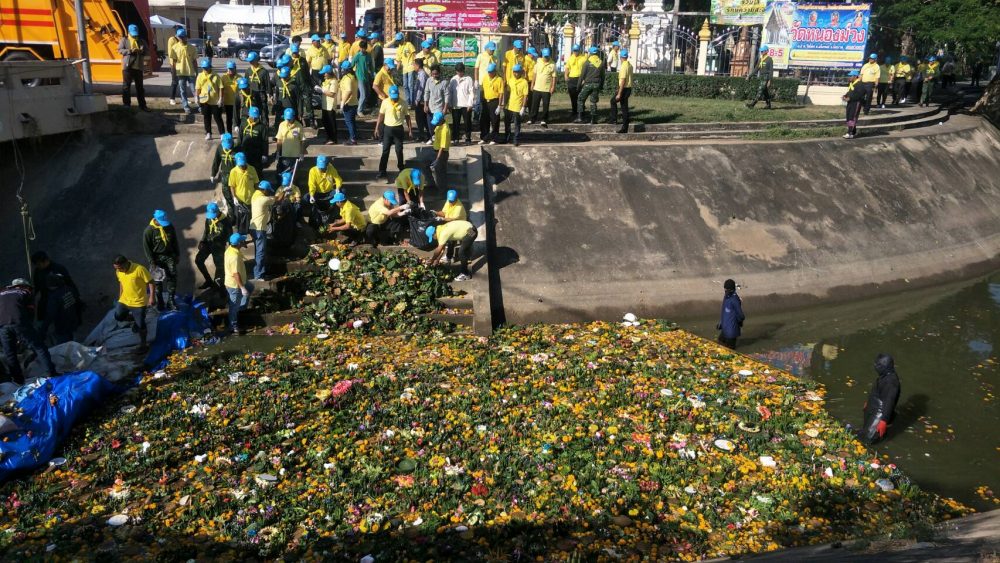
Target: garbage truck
[(47, 30)]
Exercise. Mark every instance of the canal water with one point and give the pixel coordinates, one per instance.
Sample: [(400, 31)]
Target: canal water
[(946, 342)]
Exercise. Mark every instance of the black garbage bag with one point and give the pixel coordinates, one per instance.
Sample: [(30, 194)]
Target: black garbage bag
[(420, 219)]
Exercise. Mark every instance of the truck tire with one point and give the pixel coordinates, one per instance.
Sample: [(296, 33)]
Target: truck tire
[(242, 54), (22, 56)]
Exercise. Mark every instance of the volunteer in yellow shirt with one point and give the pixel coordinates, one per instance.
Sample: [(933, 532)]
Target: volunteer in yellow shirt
[(331, 48), (230, 86), (624, 90), (384, 79), (516, 106), (405, 53), (902, 74), (349, 101), (411, 183), (543, 84), (238, 287), (352, 223), (931, 72), (323, 180), (185, 58), (385, 222), (442, 144), (483, 61), (463, 234), (513, 57), (389, 127), (574, 68), (317, 55), (291, 141), (870, 74), (135, 294), (885, 71), (343, 49), (489, 117), (242, 182), (329, 92), (208, 88), (453, 210), (260, 217)]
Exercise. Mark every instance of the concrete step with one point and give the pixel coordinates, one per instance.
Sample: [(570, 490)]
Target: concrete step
[(463, 302), (462, 319)]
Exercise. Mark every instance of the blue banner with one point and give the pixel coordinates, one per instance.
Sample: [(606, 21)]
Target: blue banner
[(829, 36)]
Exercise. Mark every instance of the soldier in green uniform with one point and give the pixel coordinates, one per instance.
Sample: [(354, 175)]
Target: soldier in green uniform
[(764, 72), (591, 82)]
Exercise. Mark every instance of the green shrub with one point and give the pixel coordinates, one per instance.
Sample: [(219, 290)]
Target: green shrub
[(708, 87)]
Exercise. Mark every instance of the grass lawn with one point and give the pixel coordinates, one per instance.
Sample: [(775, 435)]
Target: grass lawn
[(697, 110)]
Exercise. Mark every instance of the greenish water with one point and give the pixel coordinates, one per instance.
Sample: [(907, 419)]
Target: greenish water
[(946, 343)]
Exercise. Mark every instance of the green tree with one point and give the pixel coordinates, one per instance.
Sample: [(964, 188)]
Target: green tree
[(965, 28)]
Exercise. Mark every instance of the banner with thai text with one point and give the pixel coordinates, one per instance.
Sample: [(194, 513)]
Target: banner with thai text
[(738, 12), (777, 31), (443, 15), (828, 36)]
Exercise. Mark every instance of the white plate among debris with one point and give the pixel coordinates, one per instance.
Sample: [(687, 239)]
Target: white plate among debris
[(745, 372), (57, 461), (118, 520), (725, 445), (334, 264)]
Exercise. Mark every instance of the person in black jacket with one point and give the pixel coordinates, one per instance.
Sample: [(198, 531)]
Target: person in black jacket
[(855, 98), (731, 321), (213, 243), (880, 409), (16, 315), (62, 312), (159, 242), (43, 268)]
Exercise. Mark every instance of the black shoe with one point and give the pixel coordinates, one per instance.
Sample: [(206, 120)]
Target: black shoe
[(516, 143), (623, 130), (578, 120)]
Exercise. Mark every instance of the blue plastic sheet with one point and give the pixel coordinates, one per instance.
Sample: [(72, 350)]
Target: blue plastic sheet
[(44, 425), (174, 330)]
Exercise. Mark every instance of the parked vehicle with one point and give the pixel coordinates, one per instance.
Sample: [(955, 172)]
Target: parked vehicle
[(271, 53), (46, 30), (253, 41)]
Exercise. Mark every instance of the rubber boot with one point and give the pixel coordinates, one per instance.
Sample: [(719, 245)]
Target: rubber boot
[(171, 303)]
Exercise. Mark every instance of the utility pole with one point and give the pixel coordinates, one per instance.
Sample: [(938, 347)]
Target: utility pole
[(673, 34), (81, 34), (583, 24)]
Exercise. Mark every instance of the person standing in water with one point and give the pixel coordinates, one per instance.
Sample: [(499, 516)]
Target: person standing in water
[(731, 321), (880, 408)]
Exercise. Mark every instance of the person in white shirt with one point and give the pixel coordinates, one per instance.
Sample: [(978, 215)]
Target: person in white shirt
[(461, 99)]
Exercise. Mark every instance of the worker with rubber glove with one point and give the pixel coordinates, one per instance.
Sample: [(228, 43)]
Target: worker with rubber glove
[(218, 227), (324, 180), (880, 409), (252, 139), (242, 181), (517, 105), (410, 183), (453, 210), (159, 242), (261, 84), (489, 117), (442, 144), (291, 141), (351, 222), (224, 161)]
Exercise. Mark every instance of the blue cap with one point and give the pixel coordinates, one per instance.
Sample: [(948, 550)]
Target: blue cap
[(437, 118), (212, 210), (546, 52), (873, 56), (133, 30), (415, 175), (426, 44), (289, 114), (227, 141), (315, 37), (491, 46), (359, 33), (592, 50), (327, 37), (343, 35), (373, 35), (283, 72), (576, 47), (491, 67), (399, 36), (286, 178), (452, 196), (346, 65), (888, 60), (284, 60), (266, 186), (339, 197), (241, 159), (231, 65), (763, 48), (430, 233), (532, 51), (393, 92), (390, 196), (327, 69), (253, 112), (181, 32), (161, 217), (204, 63), (518, 44), (615, 44), (252, 57), (242, 83), (391, 63), (321, 162), (294, 49), (236, 239), (623, 54), (854, 73), (931, 59), (518, 68)]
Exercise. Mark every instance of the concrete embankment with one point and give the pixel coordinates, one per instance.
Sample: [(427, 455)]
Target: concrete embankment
[(591, 232)]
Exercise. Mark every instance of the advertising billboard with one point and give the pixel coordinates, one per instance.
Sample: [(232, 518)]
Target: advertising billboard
[(443, 15), (458, 49), (828, 36), (738, 12)]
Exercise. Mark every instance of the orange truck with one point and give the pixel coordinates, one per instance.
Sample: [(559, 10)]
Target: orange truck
[(47, 30)]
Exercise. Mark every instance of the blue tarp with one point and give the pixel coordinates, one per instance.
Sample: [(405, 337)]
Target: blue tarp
[(44, 425), (174, 330)]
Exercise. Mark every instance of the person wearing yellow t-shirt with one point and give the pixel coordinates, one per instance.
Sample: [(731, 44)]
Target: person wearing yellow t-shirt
[(885, 77), (135, 294), (230, 86), (343, 49), (462, 233), (931, 72), (543, 84), (453, 210), (324, 181), (291, 141), (316, 55), (405, 53), (513, 57), (902, 74), (410, 183), (208, 88), (384, 78), (389, 128), (359, 37), (483, 61), (329, 92), (331, 48), (870, 74), (132, 48), (427, 54), (184, 57), (624, 90), (574, 68), (242, 182), (260, 218), (386, 223), (442, 144), (352, 223), (349, 101), (489, 116), (517, 100), (238, 287)]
